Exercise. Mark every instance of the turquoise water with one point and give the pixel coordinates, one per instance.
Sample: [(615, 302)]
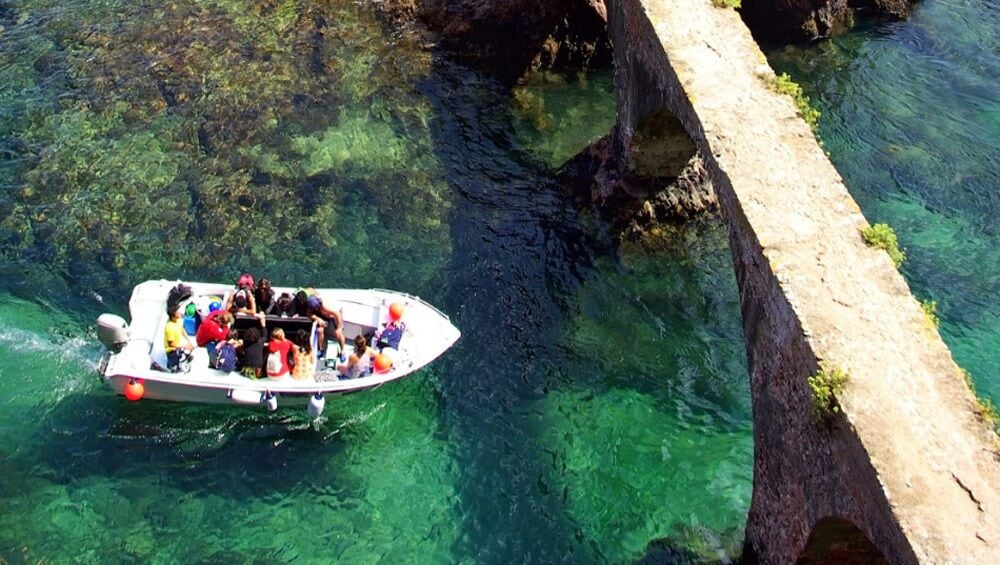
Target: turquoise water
[(911, 118)]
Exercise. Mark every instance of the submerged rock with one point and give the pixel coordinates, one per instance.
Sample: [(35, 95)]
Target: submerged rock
[(204, 138)]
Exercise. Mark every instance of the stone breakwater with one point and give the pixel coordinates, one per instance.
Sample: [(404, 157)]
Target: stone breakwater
[(906, 463)]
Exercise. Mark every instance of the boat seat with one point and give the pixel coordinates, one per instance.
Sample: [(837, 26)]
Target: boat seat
[(351, 330), (243, 322), (199, 357)]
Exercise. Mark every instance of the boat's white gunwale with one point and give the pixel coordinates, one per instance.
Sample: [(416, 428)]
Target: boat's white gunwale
[(260, 385)]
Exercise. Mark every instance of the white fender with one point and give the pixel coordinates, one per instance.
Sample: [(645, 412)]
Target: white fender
[(316, 405), (244, 396)]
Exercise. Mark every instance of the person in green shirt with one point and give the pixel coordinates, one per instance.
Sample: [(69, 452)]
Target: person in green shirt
[(176, 341)]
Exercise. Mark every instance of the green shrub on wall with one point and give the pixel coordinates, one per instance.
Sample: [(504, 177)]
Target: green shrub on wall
[(734, 4), (825, 386), (881, 236), (930, 313), (783, 84), (985, 409)]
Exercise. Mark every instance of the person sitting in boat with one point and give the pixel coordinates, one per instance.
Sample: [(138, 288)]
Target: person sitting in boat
[(300, 302), (305, 357), (389, 336), (278, 350), (284, 306), (263, 295), (227, 352), (213, 329), (360, 362), (242, 305), (176, 342), (242, 301), (253, 354), (309, 303)]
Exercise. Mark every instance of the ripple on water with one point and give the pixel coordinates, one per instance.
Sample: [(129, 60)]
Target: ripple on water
[(910, 118)]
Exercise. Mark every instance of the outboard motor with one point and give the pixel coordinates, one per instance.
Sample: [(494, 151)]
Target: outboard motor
[(112, 330)]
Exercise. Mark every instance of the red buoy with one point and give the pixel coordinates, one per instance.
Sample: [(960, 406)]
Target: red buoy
[(396, 311), (382, 363), (134, 390)]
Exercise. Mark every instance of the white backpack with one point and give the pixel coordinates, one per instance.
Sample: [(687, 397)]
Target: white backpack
[(274, 364)]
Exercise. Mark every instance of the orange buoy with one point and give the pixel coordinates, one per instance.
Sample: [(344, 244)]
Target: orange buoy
[(396, 311), (382, 363), (134, 390)]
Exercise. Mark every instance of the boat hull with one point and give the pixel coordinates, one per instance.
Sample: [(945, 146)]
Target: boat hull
[(428, 334), (187, 392)]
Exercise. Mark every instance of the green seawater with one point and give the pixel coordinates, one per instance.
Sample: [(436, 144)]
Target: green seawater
[(911, 119), (596, 408)]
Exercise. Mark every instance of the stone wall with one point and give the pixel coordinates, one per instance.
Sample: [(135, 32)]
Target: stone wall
[(906, 461), (647, 170)]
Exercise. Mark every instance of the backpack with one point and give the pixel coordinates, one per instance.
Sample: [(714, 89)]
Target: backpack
[(226, 358), (274, 364), (390, 336)]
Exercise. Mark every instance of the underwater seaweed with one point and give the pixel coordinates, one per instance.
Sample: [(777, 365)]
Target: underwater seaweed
[(195, 139)]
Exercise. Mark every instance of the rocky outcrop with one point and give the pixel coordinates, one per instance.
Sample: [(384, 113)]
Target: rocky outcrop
[(661, 181), (792, 21), (511, 37)]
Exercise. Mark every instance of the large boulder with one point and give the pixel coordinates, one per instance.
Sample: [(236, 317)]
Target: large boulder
[(780, 22), (661, 180), (510, 37)]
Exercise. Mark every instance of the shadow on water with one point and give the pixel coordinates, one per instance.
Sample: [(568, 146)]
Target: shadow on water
[(517, 251), (231, 452), (529, 398)]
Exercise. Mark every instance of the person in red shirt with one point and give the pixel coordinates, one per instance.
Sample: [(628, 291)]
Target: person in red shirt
[(277, 359), (212, 330)]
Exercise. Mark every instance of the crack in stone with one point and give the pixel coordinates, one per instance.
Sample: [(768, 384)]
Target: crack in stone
[(968, 491)]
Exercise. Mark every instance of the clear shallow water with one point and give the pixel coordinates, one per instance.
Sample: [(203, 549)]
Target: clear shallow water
[(596, 408), (911, 118)]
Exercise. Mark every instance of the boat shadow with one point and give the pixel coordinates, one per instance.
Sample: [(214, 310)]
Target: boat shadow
[(236, 452)]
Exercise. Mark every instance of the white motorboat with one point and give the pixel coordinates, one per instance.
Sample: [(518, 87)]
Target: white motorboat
[(136, 351)]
